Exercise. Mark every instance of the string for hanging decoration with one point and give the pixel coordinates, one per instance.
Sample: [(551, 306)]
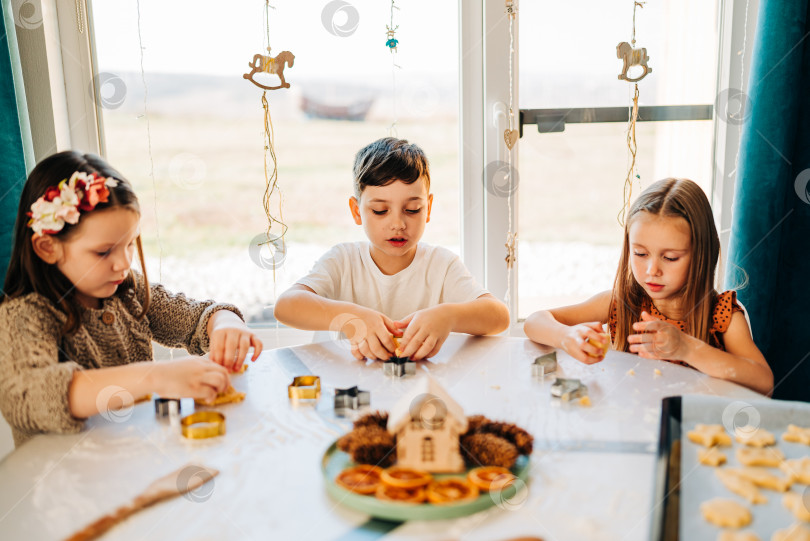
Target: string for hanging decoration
[(510, 137), (262, 67), (392, 42), (632, 56)]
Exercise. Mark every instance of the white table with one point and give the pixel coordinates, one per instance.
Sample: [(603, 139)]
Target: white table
[(591, 472)]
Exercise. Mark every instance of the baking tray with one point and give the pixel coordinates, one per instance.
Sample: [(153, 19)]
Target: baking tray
[(682, 484)]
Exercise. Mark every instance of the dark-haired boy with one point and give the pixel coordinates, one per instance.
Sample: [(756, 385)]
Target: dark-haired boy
[(392, 284)]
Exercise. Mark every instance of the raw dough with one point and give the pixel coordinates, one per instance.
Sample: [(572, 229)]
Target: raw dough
[(726, 513), (756, 456), (797, 469), (711, 456), (731, 535), (797, 532), (797, 505), (797, 434), (709, 435), (762, 477), (754, 437), (228, 396), (740, 486)]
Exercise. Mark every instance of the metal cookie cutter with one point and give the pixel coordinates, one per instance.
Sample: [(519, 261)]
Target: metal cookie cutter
[(399, 366), (167, 407), (351, 398), (305, 388), (567, 389), (545, 364), (203, 424)]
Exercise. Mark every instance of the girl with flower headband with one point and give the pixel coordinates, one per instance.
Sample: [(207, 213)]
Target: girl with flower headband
[(76, 323), (663, 304)]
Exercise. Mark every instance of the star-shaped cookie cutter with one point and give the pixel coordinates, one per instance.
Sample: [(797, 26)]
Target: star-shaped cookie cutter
[(567, 389), (305, 388), (351, 398), (399, 366)]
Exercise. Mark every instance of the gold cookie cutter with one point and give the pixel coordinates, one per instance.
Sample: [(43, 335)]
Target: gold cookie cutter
[(305, 388), (545, 364), (203, 424)]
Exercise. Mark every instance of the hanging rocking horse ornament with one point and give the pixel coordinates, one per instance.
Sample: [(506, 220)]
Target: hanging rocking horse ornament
[(632, 57), (271, 66)]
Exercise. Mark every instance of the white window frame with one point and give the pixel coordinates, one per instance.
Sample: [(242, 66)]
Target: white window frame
[(61, 58)]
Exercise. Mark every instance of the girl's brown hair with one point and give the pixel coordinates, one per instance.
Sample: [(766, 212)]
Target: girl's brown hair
[(27, 273), (677, 198)]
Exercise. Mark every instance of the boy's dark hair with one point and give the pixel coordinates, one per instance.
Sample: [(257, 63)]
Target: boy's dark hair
[(27, 273), (387, 160)]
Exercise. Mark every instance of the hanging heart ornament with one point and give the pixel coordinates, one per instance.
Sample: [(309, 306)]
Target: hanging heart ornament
[(510, 137)]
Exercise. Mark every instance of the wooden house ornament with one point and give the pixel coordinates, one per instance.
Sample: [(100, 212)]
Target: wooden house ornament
[(427, 424)]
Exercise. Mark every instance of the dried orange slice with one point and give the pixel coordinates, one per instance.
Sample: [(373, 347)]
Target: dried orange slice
[(401, 495), (489, 478), (451, 490), (405, 477), (363, 479)]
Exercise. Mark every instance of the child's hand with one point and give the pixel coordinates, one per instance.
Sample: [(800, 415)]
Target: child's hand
[(586, 342), (230, 340), (425, 333), (192, 377), (659, 339), (370, 333)]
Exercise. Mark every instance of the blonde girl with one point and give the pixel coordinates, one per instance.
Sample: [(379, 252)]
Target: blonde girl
[(663, 304), (76, 324)]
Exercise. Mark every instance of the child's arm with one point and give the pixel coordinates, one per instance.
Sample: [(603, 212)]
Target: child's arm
[(368, 330), (569, 328), (103, 389), (199, 327), (426, 330), (742, 362)]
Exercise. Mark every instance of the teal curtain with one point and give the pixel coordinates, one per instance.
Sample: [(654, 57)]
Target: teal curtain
[(12, 164), (770, 235)]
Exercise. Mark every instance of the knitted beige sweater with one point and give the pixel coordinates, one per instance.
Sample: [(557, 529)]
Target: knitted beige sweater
[(37, 361)]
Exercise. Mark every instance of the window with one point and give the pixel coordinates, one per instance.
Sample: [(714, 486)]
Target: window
[(571, 183), (205, 128), (428, 451)]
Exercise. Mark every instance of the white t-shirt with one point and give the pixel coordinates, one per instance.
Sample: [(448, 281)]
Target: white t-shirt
[(436, 275)]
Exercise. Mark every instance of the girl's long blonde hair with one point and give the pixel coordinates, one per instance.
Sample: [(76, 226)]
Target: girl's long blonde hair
[(677, 198)]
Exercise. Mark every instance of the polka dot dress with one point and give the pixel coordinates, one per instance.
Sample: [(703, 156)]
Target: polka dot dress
[(725, 305)]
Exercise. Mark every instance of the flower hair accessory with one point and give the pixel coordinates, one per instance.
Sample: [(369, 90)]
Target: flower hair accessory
[(61, 204)]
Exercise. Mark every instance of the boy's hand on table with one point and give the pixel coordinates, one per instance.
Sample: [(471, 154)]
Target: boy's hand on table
[(580, 340), (230, 340), (658, 339), (192, 377), (370, 333), (424, 332)]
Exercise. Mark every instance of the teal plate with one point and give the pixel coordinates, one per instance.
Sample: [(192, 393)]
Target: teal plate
[(335, 461)]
